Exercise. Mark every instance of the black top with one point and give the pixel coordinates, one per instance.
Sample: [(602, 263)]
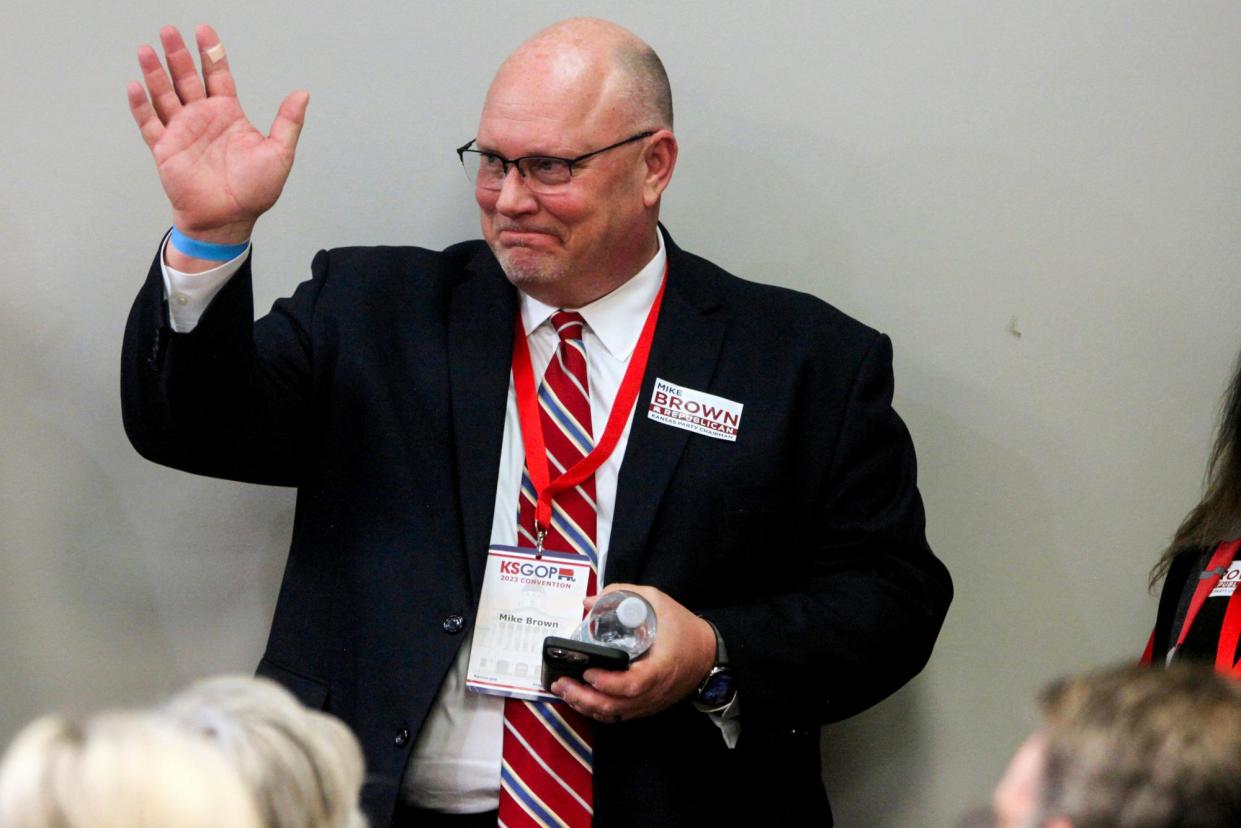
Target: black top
[(1178, 591)]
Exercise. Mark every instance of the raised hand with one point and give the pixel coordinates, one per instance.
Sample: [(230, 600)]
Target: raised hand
[(219, 172)]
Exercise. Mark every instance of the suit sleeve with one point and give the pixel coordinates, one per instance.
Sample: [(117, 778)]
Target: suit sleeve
[(870, 597), (232, 398)]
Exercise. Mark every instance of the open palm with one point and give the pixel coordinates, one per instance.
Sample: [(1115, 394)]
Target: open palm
[(219, 172)]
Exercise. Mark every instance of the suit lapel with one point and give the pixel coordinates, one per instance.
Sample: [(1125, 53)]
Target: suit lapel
[(482, 311), (685, 350)]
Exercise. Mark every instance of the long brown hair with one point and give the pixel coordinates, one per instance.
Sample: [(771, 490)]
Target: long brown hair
[(1217, 516)]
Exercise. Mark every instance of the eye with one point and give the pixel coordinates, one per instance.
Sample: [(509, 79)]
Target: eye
[(549, 170), (489, 162)]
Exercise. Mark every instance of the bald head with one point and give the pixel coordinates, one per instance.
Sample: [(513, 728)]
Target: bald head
[(590, 60), (589, 92)]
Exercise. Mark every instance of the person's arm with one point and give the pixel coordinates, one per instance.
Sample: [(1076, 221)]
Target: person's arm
[(190, 294), (863, 611), (215, 395), (233, 398)]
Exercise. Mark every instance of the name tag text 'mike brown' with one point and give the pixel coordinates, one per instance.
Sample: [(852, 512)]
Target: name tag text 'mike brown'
[(695, 411)]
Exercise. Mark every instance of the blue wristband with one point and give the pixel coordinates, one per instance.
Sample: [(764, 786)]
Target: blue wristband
[(206, 250)]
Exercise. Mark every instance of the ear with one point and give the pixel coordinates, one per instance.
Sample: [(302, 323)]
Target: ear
[(660, 159)]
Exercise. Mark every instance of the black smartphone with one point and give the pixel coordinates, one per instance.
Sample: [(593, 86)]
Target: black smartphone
[(566, 657)]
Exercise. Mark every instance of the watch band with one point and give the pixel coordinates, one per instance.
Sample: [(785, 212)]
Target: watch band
[(716, 692)]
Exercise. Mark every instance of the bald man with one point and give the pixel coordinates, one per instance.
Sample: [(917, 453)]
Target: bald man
[(743, 469)]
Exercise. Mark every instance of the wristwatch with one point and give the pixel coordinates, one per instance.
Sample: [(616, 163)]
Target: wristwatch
[(716, 691)]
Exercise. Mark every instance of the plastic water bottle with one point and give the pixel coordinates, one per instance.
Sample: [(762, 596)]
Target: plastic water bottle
[(620, 619)]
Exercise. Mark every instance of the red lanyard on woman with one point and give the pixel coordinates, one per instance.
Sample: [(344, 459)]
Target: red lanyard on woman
[(545, 488), (1230, 633)]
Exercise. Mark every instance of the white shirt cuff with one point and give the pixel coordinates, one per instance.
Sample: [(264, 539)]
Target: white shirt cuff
[(728, 721), (189, 294)]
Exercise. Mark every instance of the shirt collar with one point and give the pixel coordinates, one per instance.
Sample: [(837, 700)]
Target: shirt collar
[(617, 317)]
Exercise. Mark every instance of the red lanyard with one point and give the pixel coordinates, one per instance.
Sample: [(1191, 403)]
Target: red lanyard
[(1230, 633), (545, 488)]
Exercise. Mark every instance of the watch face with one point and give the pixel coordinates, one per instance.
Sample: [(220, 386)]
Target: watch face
[(718, 690)]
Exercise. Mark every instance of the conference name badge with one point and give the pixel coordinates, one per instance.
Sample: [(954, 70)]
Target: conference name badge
[(695, 411), (1228, 581), (526, 597)]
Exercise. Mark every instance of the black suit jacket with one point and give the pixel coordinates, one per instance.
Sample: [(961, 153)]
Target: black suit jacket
[(378, 389)]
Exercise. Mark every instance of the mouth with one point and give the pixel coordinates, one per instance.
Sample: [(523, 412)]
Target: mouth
[(524, 236)]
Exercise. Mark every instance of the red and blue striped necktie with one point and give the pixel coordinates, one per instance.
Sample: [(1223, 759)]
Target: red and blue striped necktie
[(545, 774)]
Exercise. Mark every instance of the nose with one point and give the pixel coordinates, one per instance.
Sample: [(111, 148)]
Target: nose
[(515, 197)]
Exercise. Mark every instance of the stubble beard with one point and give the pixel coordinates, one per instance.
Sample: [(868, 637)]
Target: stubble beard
[(525, 271)]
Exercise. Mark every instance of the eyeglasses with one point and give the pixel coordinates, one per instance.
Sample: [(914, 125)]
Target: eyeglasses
[(542, 173)]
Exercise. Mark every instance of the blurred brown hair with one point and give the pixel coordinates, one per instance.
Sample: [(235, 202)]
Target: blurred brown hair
[(1143, 748)]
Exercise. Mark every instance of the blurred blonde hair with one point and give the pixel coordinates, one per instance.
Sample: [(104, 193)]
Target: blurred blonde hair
[(118, 770), (304, 768)]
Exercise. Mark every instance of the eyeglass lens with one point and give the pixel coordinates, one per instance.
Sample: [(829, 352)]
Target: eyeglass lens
[(488, 171)]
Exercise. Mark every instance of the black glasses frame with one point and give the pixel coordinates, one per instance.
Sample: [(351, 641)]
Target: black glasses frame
[(517, 162)]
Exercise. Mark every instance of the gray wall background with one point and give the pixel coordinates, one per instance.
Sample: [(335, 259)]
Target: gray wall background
[(1038, 201)]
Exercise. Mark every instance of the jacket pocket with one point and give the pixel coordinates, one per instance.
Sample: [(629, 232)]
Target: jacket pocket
[(309, 691)]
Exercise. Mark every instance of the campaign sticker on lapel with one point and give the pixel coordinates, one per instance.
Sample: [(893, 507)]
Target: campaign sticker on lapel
[(695, 411)]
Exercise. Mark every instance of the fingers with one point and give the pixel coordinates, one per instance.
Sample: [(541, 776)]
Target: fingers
[(613, 695), (170, 93), (214, 62), (589, 702), (622, 684), (163, 96), (144, 114), (181, 66), (289, 119)]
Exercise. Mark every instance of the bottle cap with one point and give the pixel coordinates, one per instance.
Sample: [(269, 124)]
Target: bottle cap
[(631, 612)]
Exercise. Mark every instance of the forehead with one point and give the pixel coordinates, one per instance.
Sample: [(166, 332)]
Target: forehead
[(1017, 796), (550, 103)]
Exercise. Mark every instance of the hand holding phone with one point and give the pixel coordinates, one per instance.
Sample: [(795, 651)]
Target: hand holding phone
[(567, 657)]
